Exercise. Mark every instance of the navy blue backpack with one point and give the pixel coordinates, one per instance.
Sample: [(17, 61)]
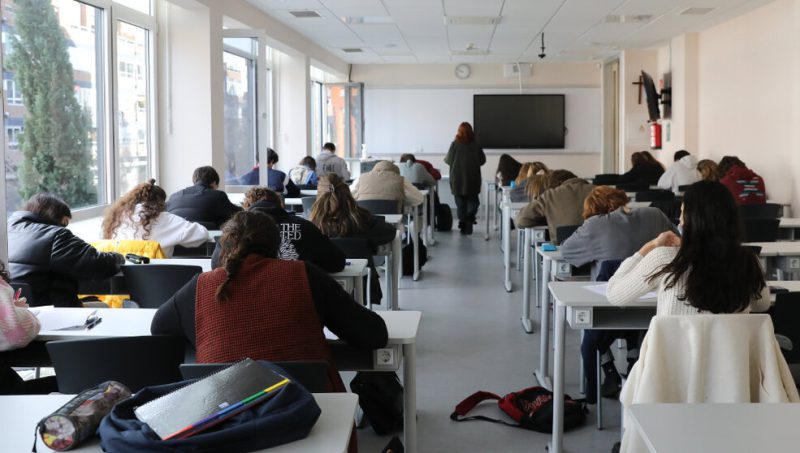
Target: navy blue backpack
[(286, 417)]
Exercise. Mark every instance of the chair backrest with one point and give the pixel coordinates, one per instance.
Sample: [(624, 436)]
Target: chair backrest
[(633, 186), (136, 362), (308, 203), (655, 195), (313, 375), (786, 319), (150, 285), (765, 211), (199, 252), (367, 166), (605, 179), (380, 206), (607, 270), (683, 187), (671, 208), (760, 229), (754, 248), (25, 291), (564, 232)]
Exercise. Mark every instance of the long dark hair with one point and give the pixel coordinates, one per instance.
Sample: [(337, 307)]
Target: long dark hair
[(247, 232), (721, 275), (508, 169)]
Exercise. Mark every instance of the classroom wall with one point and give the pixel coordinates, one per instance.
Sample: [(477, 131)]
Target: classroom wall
[(489, 76), (634, 129), (679, 61), (748, 95)]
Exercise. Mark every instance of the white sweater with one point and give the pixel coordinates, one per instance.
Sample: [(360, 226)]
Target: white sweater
[(167, 229), (631, 281)]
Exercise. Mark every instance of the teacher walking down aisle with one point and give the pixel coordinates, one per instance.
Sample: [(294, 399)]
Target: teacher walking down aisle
[(465, 159)]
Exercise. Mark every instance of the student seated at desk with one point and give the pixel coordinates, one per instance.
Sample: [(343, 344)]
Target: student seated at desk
[(645, 169), (610, 231), (328, 162), (265, 308), (18, 327), (275, 178), (560, 205), (681, 173), (304, 175), (708, 169), (202, 202), (746, 185), (707, 270), (300, 239), (46, 255), (384, 182), (529, 169), (141, 214), (414, 172), (337, 215), (507, 170)]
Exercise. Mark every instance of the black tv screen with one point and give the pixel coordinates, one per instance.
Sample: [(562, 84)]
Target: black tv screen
[(535, 121), (652, 96)]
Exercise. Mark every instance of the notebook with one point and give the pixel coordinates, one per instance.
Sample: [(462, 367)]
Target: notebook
[(206, 402)]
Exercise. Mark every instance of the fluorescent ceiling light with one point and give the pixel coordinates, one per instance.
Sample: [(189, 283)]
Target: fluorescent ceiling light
[(696, 11), (628, 18), (305, 14), (352, 50), (367, 20), (471, 20)]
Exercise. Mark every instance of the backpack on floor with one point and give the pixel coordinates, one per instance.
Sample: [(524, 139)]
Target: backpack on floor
[(530, 408), (380, 396), (444, 217), (408, 257)]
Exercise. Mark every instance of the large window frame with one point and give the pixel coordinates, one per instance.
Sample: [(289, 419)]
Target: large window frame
[(113, 13)]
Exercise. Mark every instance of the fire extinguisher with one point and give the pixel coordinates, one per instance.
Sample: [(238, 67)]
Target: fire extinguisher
[(655, 135)]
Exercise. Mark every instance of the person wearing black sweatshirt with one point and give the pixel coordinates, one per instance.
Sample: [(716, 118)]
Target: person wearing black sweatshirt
[(645, 169), (202, 202), (300, 239)]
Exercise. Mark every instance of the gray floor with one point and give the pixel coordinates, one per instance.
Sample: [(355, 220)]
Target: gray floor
[(470, 339)]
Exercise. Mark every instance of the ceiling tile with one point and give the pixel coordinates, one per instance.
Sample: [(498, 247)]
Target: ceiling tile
[(472, 8), (287, 4)]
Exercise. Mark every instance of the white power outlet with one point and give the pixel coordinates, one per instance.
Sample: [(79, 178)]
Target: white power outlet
[(384, 357), (794, 263), (564, 268), (583, 317)]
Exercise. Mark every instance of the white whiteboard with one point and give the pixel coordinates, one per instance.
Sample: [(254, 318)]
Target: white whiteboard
[(424, 120)]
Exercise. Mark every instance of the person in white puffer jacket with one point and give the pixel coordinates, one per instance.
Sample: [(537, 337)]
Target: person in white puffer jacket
[(682, 173)]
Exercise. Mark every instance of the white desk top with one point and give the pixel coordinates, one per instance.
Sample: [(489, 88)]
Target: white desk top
[(515, 204), (354, 268), (205, 263), (425, 192), (554, 255), (790, 222), (781, 248), (293, 202), (393, 218), (308, 192), (128, 322), (708, 428), (19, 415), (236, 198), (213, 234)]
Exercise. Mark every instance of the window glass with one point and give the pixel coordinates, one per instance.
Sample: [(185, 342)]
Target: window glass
[(240, 119), (143, 6)]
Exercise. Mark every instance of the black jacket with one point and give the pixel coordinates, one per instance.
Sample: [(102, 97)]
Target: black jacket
[(300, 240), (350, 321), (201, 204), (52, 260), (643, 174)]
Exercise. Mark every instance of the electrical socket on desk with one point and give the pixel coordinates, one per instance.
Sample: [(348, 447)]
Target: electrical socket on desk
[(564, 268), (384, 357), (583, 317), (794, 263)]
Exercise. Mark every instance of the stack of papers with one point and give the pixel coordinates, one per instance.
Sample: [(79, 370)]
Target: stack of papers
[(51, 319), (600, 288)]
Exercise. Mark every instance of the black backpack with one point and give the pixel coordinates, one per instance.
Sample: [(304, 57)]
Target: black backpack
[(380, 396), (444, 217), (531, 408), (408, 257)]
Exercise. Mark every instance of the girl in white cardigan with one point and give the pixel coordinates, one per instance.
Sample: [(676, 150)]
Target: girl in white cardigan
[(706, 270), (141, 214)]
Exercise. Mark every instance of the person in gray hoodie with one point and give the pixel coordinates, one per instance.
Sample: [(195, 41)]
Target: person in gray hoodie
[(413, 172), (682, 173)]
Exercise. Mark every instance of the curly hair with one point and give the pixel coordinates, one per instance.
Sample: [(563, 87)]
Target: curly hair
[(4, 274), (260, 193), (247, 232), (149, 195), (336, 212)]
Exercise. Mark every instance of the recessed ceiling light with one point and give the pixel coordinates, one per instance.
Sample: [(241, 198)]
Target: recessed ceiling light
[(367, 20), (469, 52), (628, 18), (305, 14), (352, 50), (696, 11), (471, 20)]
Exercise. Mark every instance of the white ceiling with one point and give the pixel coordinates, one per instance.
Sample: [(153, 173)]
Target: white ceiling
[(414, 31)]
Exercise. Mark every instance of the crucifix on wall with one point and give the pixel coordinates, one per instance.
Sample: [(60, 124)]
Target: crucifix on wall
[(641, 85)]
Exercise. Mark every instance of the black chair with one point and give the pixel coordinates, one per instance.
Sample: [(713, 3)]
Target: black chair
[(763, 211), (360, 248), (209, 225), (150, 285), (136, 362), (380, 206), (313, 375), (670, 208), (308, 203), (199, 252), (564, 232), (655, 195), (633, 187), (754, 248), (607, 179), (683, 188), (760, 229), (26, 292), (785, 315), (578, 273)]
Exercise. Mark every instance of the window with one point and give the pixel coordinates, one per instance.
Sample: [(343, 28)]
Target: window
[(317, 134), (343, 117), (106, 131)]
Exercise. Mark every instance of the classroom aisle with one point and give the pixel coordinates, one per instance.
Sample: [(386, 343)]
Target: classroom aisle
[(470, 339)]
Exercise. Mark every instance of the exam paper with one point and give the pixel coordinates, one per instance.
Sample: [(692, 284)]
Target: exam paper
[(58, 319), (600, 288)]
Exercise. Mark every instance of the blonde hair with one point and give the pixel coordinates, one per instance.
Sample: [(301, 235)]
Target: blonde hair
[(537, 184), (709, 170), (336, 212)]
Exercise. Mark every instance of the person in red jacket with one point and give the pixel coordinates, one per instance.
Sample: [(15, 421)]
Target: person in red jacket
[(437, 175), (746, 186)]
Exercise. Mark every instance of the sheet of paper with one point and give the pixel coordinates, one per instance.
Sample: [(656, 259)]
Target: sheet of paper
[(58, 319), (600, 288), (330, 335)]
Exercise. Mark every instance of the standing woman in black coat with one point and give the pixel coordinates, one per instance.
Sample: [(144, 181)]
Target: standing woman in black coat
[(465, 159), (43, 253)]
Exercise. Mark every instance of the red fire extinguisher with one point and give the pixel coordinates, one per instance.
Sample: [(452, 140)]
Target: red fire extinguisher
[(655, 135)]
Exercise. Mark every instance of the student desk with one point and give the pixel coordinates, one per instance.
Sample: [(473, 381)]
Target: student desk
[(416, 228), (308, 192), (491, 200), (782, 257), (729, 428), (510, 210), (20, 413), (532, 238), (236, 198), (789, 228), (580, 308), (293, 202), (401, 325)]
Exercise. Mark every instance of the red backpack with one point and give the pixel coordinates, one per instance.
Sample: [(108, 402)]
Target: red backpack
[(531, 408)]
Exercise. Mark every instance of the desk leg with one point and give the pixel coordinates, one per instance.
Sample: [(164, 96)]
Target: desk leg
[(415, 241), (410, 401), (424, 228), (507, 248), (397, 257), (558, 383), (542, 374), (527, 325), (358, 287), (486, 210), (494, 211), (432, 214), (536, 275), (520, 252)]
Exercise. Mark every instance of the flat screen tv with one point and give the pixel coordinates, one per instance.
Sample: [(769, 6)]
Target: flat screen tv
[(652, 96), (534, 121)]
